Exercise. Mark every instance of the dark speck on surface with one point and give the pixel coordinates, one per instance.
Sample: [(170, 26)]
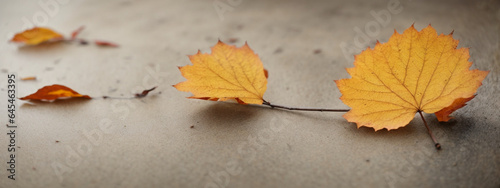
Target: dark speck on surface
[(233, 40), (239, 27)]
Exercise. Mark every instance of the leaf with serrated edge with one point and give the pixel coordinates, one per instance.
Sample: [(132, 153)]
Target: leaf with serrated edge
[(227, 73), (414, 71)]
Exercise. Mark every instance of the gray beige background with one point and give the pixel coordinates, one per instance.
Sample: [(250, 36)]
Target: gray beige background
[(149, 143)]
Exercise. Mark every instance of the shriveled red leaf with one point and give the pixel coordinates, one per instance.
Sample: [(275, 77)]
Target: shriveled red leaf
[(144, 93), (105, 43), (75, 33)]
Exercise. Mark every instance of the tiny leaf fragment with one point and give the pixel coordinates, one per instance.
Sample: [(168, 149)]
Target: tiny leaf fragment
[(105, 43), (144, 93)]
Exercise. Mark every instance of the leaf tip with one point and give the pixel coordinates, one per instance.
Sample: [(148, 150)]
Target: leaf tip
[(443, 115), (240, 101)]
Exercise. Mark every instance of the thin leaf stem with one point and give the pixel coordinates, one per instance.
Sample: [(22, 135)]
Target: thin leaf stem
[(137, 95), (304, 109), (111, 97), (436, 143)]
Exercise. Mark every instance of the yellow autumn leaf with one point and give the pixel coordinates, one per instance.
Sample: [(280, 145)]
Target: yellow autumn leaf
[(36, 36), (227, 73), (414, 71)]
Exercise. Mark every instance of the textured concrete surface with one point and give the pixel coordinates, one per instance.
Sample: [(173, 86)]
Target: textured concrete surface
[(149, 142)]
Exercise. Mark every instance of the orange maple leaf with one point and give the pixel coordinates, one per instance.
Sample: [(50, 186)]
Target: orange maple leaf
[(227, 73), (54, 92), (36, 36), (412, 72)]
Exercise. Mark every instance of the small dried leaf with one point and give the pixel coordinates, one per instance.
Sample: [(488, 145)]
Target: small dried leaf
[(54, 92), (36, 36)]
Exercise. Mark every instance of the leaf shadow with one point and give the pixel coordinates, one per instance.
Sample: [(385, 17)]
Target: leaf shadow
[(397, 133), (226, 115), (458, 127), (366, 132), (71, 102), (445, 125), (43, 47)]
